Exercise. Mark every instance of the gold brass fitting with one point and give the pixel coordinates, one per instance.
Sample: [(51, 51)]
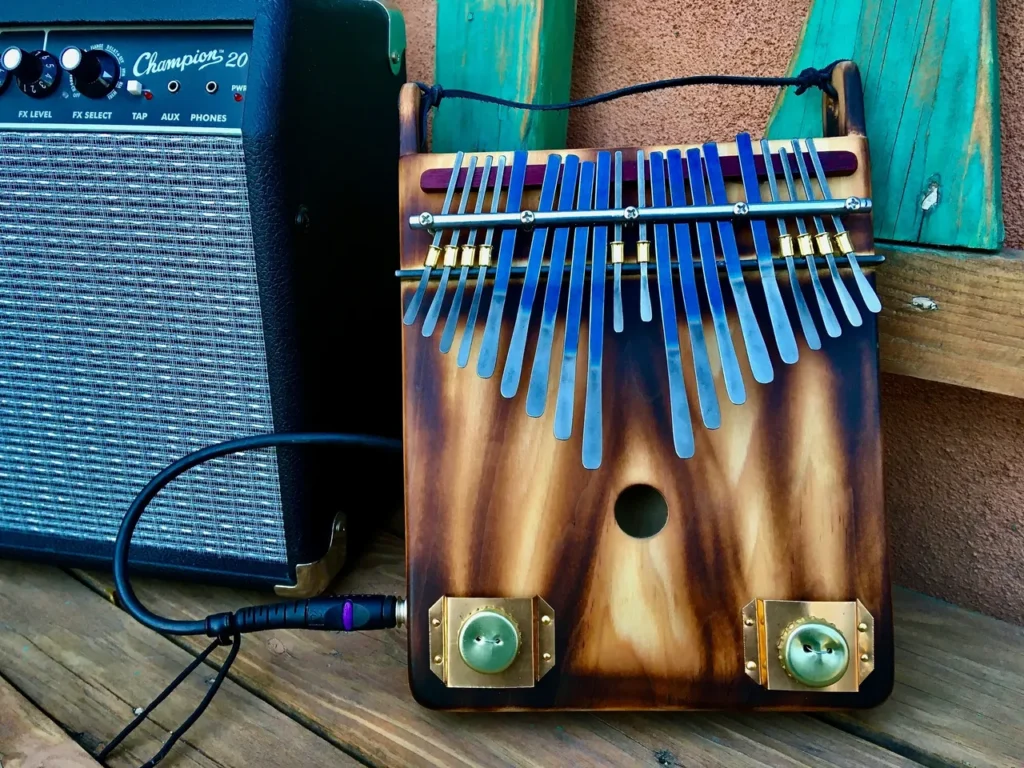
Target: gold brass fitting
[(451, 255), (824, 243), (643, 251), (433, 252), (468, 251), (806, 244), (618, 252), (843, 242), (786, 245), (485, 255)]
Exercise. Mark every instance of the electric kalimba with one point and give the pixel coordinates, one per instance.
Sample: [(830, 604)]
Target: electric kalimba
[(642, 446)]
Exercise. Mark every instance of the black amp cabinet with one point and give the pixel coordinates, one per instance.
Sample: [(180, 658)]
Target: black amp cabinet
[(194, 197)]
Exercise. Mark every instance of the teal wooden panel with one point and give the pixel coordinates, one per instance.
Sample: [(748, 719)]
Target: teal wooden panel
[(931, 92), (515, 49)]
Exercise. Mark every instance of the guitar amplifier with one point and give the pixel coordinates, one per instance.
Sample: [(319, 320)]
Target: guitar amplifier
[(178, 182)]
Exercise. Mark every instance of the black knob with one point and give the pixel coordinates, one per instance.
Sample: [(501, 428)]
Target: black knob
[(93, 73), (37, 72)]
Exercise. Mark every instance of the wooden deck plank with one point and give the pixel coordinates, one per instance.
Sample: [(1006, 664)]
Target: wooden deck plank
[(30, 739), (959, 687), (355, 687), (953, 317), (88, 664)]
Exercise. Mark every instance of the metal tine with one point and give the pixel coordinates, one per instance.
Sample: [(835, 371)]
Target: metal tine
[(785, 340), (825, 244), (488, 359), (564, 402), (451, 255), (537, 394), (517, 347), (806, 247), (757, 352), (466, 259), (618, 252), (435, 247), (734, 386), (867, 292), (706, 395), (643, 245), (786, 248), (682, 427), (466, 345), (593, 438)]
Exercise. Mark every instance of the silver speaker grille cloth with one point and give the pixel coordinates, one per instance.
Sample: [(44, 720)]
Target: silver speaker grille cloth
[(131, 334)]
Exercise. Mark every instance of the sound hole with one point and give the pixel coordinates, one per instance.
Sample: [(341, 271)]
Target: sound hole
[(641, 511)]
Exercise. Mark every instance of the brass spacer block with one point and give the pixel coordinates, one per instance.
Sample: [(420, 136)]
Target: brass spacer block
[(643, 251), (806, 244), (824, 243), (786, 246), (468, 252), (844, 243), (451, 255), (485, 255), (433, 252), (618, 252)]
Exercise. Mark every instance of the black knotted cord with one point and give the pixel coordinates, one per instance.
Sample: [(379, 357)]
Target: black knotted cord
[(809, 78)]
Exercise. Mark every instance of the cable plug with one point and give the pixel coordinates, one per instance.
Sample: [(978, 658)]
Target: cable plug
[(345, 613)]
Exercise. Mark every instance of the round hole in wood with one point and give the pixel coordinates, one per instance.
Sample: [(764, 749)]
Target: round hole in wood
[(641, 511)]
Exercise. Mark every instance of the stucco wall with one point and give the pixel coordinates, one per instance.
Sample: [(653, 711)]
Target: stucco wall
[(954, 457)]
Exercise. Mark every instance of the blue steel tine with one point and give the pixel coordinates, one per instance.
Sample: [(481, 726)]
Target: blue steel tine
[(757, 351), (803, 312), (451, 253), (867, 292), (785, 340), (709, 409), (593, 434), (537, 393), (828, 315), (734, 385), (488, 359), (466, 345), (849, 305), (646, 313), (679, 407), (469, 249), (565, 401), (517, 347), (618, 251), (414, 306)]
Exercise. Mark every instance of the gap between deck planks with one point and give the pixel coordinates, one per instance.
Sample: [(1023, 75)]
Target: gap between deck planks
[(30, 739), (959, 683)]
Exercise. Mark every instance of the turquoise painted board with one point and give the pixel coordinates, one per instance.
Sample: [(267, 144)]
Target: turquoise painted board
[(931, 95), (515, 49)]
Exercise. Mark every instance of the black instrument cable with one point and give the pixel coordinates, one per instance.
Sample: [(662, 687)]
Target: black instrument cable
[(345, 613)]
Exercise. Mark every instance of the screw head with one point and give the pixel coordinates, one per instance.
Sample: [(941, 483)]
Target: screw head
[(853, 203), (546, 656), (748, 622), (395, 58), (438, 659), (741, 209), (865, 657), (862, 627), (435, 622), (545, 619), (426, 219), (751, 665), (527, 217), (632, 213)]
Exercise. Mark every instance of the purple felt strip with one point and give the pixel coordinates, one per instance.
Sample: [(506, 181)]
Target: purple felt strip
[(346, 616), (835, 163)]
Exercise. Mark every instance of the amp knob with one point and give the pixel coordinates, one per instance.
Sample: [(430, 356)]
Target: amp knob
[(93, 73), (37, 72)]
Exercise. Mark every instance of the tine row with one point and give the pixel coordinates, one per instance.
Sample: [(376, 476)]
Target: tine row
[(665, 181)]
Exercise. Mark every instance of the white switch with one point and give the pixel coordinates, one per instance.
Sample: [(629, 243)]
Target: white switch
[(134, 87)]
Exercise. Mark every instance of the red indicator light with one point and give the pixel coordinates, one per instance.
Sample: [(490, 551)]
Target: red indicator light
[(149, 95), (238, 97)]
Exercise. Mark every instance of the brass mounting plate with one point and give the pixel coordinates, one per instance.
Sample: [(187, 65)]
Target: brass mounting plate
[(534, 619), (764, 621), (312, 579)]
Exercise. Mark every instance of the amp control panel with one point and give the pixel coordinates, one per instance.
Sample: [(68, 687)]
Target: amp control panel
[(187, 79)]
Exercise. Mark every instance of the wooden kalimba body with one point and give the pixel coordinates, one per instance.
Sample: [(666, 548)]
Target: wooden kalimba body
[(644, 484)]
